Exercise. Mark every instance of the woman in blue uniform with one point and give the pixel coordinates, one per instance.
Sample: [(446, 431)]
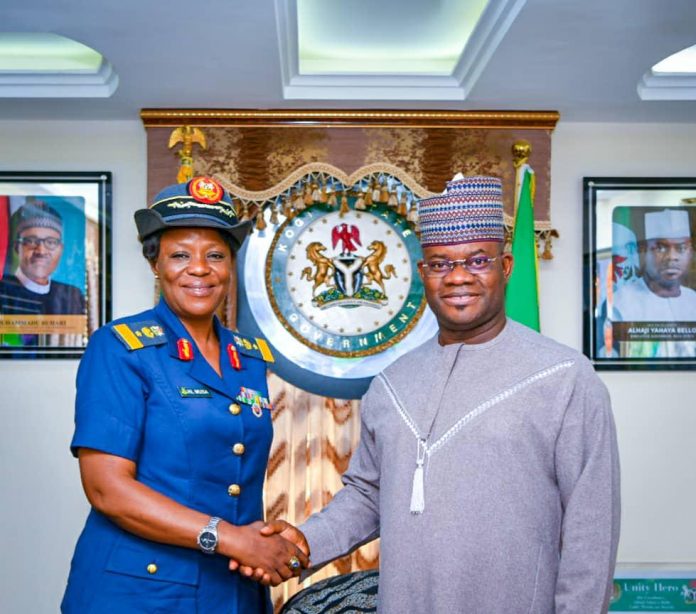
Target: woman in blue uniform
[(173, 431)]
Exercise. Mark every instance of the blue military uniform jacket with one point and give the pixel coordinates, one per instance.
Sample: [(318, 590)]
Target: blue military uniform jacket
[(197, 438)]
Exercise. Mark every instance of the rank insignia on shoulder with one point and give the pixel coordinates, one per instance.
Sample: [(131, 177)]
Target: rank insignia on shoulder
[(234, 356), (253, 346), (137, 335), (185, 349)]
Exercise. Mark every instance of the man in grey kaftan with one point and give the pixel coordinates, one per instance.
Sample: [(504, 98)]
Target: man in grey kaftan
[(521, 508), (487, 462)]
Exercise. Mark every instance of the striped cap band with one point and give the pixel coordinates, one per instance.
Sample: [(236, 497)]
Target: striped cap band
[(470, 209)]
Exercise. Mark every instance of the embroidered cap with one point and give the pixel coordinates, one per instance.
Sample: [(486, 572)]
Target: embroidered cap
[(470, 209), (38, 214), (200, 203), (667, 224)]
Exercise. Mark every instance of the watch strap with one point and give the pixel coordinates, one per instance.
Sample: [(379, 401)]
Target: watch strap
[(213, 523), (211, 527)]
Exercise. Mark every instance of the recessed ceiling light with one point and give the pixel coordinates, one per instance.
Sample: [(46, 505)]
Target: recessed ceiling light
[(673, 78), (683, 61), (363, 36), (45, 65), (388, 50)]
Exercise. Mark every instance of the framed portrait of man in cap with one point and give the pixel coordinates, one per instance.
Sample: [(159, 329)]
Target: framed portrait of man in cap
[(640, 273), (54, 240)]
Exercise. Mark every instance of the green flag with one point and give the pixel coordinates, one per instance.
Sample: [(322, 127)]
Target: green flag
[(522, 293)]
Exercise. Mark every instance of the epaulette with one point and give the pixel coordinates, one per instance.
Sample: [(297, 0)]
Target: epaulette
[(253, 346), (137, 335)]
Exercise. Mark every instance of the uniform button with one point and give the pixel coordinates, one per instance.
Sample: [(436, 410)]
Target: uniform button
[(233, 490), (152, 568), (235, 409), (238, 449)]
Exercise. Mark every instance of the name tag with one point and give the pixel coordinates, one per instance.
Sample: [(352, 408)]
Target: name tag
[(193, 393)]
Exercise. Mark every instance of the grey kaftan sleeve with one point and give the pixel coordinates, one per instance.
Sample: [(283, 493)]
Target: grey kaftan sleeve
[(587, 470), (351, 519)]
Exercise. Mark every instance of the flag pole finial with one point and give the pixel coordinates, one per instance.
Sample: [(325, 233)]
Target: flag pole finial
[(521, 150)]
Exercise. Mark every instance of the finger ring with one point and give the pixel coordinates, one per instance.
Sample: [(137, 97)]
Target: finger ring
[(294, 563)]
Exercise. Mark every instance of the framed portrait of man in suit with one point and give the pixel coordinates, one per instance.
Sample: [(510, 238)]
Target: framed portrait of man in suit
[(54, 268)]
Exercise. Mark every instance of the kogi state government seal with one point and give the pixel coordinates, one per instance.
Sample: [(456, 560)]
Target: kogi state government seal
[(346, 283)]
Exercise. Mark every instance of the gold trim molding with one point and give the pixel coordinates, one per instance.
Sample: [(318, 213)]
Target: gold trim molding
[(326, 169), (523, 120)]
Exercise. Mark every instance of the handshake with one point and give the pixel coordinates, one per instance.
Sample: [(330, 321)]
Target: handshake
[(269, 553)]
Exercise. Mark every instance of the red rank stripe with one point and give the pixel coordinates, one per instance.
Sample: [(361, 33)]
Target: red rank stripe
[(234, 356), (185, 350)]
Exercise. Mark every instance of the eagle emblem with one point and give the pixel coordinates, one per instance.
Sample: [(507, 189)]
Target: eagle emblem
[(348, 278), (348, 236)]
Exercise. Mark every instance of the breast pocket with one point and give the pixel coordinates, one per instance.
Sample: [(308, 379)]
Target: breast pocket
[(148, 560)]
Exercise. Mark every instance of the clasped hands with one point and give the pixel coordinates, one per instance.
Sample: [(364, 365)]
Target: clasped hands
[(267, 552)]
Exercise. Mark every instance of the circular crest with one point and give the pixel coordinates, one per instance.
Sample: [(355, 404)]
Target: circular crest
[(345, 284), (335, 290), (205, 190)]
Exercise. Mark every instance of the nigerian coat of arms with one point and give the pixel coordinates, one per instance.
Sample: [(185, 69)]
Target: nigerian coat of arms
[(346, 283)]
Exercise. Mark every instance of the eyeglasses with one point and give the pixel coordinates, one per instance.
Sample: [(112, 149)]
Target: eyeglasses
[(473, 264), (51, 243)]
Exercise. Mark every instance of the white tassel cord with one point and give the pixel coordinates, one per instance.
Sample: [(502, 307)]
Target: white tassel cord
[(418, 488)]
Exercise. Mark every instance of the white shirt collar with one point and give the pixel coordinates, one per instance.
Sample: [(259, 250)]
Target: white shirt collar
[(30, 285)]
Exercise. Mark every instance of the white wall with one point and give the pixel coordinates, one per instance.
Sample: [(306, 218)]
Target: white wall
[(42, 507), (655, 411)]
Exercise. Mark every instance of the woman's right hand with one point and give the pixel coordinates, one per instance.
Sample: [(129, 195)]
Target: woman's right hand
[(272, 553)]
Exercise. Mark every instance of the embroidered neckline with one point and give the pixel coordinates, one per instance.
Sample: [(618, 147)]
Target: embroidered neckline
[(477, 411), (426, 449)]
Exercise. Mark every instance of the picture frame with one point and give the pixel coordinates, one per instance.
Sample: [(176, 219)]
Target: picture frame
[(55, 267), (639, 275)]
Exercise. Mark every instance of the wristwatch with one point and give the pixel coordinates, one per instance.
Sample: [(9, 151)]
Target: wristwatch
[(208, 537)]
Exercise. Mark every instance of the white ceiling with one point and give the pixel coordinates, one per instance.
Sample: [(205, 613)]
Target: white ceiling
[(582, 58)]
